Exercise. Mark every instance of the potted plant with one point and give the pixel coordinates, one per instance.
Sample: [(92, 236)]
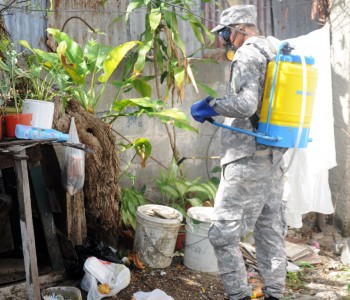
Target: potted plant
[(131, 199), (12, 77), (181, 193), (41, 92)]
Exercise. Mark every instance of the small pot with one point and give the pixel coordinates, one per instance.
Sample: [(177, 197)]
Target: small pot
[(180, 241), (12, 120)]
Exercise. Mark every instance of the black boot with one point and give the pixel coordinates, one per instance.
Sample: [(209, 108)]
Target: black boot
[(246, 298), (271, 298)]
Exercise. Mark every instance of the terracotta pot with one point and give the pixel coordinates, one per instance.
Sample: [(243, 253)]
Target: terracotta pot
[(12, 120), (180, 241)]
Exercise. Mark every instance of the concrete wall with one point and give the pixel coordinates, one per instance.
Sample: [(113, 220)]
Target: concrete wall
[(339, 176), (201, 150)]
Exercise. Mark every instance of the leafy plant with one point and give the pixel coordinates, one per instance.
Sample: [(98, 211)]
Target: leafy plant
[(89, 71), (130, 201), (163, 46), (180, 192), (11, 75), (42, 83)]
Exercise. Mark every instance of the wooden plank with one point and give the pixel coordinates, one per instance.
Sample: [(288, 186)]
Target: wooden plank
[(42, 200), (52, 173), (26, 224), (71, 221), (19, 290)]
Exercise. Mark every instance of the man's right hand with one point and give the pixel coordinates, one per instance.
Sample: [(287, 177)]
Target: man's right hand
[(201, 110)]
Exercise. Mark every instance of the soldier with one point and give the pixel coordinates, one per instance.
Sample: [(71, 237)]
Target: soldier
[(251, 186)]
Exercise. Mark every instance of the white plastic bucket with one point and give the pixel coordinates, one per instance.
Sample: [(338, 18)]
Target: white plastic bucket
[(42, 112), (155, 236), (199, 254)]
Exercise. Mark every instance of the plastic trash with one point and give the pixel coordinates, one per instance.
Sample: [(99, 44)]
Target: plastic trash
[(100, 275), (36, 133), (154, 295), (73, 173)]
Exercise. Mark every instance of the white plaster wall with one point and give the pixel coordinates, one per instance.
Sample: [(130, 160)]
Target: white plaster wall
[(340, 45)]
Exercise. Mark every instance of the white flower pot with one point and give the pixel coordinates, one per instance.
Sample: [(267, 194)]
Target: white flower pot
[(42, 112)]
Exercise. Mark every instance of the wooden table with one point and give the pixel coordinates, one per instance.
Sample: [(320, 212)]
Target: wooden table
[(17, 151)]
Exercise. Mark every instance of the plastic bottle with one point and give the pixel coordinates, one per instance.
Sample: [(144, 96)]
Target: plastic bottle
[(35, 133)]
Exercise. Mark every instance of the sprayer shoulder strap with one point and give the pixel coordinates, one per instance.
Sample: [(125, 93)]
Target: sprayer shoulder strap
[(263, 52), (254, 119)]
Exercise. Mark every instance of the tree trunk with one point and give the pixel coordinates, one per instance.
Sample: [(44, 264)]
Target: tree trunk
[(101, 189)]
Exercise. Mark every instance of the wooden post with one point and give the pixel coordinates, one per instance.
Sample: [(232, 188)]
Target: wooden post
[(27, 230)]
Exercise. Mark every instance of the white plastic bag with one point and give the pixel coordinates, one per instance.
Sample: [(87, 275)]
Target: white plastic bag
[(115, 276), (154, 295), (73, 173)]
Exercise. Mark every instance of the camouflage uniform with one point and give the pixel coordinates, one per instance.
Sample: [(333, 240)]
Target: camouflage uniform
[(251, 186)]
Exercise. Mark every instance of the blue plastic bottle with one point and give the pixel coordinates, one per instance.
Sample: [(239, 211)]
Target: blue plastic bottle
[(35, 133)]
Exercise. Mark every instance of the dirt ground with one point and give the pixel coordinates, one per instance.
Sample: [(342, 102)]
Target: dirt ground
[(328, 279)]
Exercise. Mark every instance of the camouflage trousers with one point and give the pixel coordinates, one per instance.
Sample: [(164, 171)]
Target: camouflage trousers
[(250, 197)]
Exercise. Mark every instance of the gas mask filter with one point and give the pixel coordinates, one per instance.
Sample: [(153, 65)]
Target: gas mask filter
[(225, 33)]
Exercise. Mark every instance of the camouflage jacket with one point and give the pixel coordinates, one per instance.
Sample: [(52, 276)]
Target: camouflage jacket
[(243, 98)]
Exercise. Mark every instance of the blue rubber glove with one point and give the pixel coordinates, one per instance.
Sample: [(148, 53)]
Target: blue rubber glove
[(201, 110)]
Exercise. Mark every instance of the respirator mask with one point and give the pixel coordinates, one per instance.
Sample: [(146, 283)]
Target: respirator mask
[(225, 33)]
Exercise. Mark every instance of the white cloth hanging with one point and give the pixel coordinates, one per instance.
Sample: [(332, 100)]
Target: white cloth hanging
[(307, 188)]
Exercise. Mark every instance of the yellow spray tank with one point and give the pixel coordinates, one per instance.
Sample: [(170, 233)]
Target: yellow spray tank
[(288, 100), (287, 103)]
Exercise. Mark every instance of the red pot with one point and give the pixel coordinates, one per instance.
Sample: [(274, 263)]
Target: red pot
[(180, 241), (12, 120)]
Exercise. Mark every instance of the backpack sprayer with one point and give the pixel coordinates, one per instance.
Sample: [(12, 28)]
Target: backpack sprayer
[(287, 103)]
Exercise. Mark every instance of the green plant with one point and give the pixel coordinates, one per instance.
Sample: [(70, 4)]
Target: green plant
[(180, 192), (11, 75), (84, 74), (163, 46), (130, 201), (42, 82)]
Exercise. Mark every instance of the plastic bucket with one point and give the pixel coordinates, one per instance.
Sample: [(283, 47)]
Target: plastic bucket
[(199, 254), (62, 292), (42, 112), (156, 232)]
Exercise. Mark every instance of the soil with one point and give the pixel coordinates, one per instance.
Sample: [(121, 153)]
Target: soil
[(328, 279)]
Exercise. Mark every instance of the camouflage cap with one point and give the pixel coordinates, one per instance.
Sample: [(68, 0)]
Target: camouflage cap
[(238, 14)]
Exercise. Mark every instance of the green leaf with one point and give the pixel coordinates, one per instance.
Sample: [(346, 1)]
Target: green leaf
[(142, 87), (142, 103), (195, 202), (131, 7), (142, 52), (178, 118), (169, 191), (71, 55), (143, 148), (72, 69), (96, 53), (179, 75), (216, 169), (197, 31), (208, 90), (114, 58), (155, 18)]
